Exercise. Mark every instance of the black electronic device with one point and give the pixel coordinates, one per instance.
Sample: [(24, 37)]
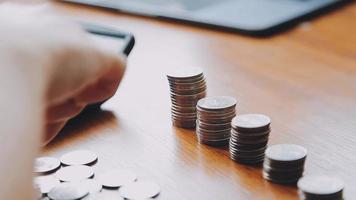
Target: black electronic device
[(253, 17)]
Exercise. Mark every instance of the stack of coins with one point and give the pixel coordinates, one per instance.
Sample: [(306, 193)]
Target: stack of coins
[(249, 138), (320, 187), (214, 119), (187, 86), (284, 163)]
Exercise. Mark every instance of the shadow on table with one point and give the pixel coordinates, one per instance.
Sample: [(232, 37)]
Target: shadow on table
[(85, 125)]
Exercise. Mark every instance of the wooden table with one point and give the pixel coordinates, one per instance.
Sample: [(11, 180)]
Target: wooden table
[(304, 79)]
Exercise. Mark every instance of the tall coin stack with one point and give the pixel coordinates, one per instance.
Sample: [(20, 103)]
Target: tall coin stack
[(284, 163), (214, 119), (187, 86), (320, 187), (249, 138)]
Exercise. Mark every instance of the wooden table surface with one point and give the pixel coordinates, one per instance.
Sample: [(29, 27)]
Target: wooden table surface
[(304, 79)]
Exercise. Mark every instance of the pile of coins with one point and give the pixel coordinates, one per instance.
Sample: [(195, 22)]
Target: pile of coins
[(284, 163), (75, 180), (187, 86), (249, 138), (214, 115), (320, 187)]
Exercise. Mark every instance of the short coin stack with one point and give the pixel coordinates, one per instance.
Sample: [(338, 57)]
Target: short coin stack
[(284, 163), (249, 138), (320, 187), (187, 86), (214, 119)]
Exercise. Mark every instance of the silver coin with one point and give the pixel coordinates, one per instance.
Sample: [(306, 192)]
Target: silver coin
[(68, 191), (140, 190), (216, 113), (79, 157), (38, 194), (75, 173), (286, 152), (187, 86), (117, 178), (217, 103), (290, 180), (92, 185), (184, 73), (188, 92), (250, 134), (45, 183), (320, 185), (214, 142), (226, 116), (104, 195), (183, 124), (46, 164), (251, 121), (181, 97), (186, 81)]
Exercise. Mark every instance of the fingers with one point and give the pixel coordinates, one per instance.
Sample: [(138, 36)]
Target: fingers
[(104, 87), (52, 130), (101, 89), (64, 111)]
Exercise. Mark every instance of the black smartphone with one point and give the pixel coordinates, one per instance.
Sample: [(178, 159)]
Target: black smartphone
[(113, 39)]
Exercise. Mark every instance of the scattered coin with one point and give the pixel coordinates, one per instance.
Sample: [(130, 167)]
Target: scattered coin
[(104, 195), (75, 173), (68, 191), (45, 183), (249, 138), (187, 86), (214, 115), (284, 163), (92, 185), (139, 190), (46, 165), (316, 187), (79, 157), (117, 178), (38, 193)]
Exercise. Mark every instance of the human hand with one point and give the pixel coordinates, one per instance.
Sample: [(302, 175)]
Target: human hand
[(75, 71)]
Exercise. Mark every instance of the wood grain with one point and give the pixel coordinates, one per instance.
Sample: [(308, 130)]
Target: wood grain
[(304, 79)]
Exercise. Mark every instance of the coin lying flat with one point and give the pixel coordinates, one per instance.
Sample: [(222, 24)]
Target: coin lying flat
[(68, 191), (46, 164), (250, 122), (184, 73), (79, 157), (320, 185), (75, 173), (105, 195), (217, 103), (286, 152), (45, 183), (139, 190), (38, 194), (117, 178), (92, 185)]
